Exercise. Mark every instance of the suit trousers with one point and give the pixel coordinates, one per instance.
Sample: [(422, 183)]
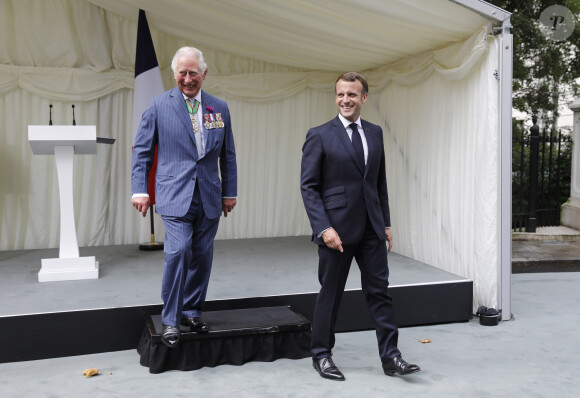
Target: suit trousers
[(188, 259), (333, 268)]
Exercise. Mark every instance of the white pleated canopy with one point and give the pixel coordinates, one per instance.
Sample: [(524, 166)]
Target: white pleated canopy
[(430, 65)]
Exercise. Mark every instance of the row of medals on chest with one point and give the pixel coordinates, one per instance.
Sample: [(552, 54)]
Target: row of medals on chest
[(211, 121)]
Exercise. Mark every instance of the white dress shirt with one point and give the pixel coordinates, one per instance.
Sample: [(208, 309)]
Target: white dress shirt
[(349, 131)]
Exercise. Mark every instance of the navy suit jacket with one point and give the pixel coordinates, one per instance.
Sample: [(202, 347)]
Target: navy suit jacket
[(166, 123), (336, 191)]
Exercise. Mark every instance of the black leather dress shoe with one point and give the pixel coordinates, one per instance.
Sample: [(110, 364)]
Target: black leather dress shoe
[(196, 324), (170, 336), (327, 369), (400, 366)]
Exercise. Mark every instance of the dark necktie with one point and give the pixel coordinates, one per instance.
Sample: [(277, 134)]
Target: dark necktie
[(357, 145)]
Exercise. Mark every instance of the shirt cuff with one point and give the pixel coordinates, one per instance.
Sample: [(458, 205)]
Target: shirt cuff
[(140, 195)]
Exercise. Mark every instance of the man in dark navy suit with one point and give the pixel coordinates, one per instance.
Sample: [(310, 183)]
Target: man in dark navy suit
[(344, 188), (193, 135)]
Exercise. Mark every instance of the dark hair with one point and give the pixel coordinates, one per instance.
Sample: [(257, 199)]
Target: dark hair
[(352, 77)]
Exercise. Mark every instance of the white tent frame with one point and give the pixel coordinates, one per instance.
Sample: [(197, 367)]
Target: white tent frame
[(505, 75)]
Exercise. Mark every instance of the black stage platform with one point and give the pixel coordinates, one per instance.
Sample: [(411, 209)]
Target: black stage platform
[(56, 319), (236, 337)]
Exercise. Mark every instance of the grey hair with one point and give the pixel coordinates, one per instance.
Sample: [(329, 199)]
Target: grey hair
[(190, 51)]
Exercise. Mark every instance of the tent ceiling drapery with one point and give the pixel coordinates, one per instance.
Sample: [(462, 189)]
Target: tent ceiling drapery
[(329, 35)]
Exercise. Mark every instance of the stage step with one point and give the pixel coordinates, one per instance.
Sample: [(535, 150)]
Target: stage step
[(59, 334), (235, 337)]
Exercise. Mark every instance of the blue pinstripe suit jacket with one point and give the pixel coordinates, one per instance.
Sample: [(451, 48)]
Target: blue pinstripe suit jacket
[(166, 123)]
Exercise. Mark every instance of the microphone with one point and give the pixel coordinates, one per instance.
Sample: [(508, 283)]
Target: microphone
[(50, 116), (74, 122)]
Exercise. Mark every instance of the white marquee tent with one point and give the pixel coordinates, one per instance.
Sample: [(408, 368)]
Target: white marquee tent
[(440, 77)]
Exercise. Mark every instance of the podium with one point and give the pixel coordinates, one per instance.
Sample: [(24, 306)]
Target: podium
[(64, 142)]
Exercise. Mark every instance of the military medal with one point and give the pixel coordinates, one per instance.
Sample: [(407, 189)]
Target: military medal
[(194, 124), (219, 121), (192, 111), (213, 121)]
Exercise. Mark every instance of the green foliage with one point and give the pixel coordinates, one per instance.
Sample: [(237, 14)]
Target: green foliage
[(545, 74), (545, 71)]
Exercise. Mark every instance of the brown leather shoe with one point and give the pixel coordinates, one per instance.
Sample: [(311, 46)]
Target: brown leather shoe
[(400, 366), (327, 369)]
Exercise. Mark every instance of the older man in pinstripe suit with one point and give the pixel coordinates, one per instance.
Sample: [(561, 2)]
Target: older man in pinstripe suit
[(192, 132)]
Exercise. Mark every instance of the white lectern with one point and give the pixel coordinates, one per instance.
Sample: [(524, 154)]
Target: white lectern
[(64, 142)]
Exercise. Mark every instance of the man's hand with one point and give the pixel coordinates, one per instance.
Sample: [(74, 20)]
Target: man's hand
[(228, 205), (141, 203), (389, 237), (332, 240)]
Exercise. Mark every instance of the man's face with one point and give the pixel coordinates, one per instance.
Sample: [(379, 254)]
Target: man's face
[(188, 75), (349, 99)]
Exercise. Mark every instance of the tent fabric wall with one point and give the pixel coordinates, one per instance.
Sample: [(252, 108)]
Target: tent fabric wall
[(443, 170), (438, 110)]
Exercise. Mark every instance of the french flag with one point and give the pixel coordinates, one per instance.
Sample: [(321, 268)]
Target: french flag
[(148, 84)]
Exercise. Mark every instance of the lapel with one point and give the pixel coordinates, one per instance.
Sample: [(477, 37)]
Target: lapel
[(371, 142), (206, 101), (180, 108), (340, 131)]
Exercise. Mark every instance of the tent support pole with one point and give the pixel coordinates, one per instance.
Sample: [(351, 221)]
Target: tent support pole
[(485, 9), (505, 126), (505, 233)]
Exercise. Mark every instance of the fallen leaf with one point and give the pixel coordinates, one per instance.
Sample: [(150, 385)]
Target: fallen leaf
[(425, 341), (90, 372)]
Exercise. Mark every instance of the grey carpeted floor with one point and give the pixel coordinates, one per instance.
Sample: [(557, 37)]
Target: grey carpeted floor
[(130, 277)]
